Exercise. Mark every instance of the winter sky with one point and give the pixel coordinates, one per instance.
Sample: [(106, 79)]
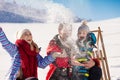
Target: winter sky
[(89, 9)]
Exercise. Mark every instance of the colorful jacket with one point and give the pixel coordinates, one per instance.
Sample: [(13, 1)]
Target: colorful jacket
[(55, 46), (14, 53), (88, 46)]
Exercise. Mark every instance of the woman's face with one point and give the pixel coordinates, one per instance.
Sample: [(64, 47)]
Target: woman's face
[(27, 36), (82, 35)]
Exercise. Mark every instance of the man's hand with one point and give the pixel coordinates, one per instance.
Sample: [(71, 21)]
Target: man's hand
[(74, 62), (89, 64), (59, 54)]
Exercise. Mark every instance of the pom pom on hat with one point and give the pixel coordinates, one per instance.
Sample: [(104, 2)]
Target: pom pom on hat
[(21, 32), (84, 27)]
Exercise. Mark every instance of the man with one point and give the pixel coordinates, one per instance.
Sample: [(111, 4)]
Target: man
[(60, 69)]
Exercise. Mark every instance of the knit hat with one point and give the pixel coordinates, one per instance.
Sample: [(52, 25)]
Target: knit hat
[(21, 32), (84, 27)]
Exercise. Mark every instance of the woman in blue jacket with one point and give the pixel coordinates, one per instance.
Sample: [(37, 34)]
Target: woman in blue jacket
[(25, 55)]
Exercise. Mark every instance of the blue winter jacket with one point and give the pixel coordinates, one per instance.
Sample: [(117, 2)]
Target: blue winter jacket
[(14, 53)]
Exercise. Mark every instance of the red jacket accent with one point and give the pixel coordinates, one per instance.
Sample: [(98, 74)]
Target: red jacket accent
[(60, 62), (28, 59), (97, 62)]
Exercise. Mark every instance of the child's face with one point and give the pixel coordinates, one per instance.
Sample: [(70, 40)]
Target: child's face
[(82, 35), (66, 32), (27, 36)]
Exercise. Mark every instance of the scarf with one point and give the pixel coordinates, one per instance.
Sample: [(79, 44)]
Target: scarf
[(28, 59)]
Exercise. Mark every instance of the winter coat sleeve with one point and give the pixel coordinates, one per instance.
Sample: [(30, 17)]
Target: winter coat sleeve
[(53, 47), (7, 45), (15, 67), (43, 62)]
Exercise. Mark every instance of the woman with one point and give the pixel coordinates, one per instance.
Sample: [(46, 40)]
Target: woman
[(25, 55)]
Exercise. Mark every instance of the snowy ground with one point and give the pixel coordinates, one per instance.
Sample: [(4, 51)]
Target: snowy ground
[(42, 33)]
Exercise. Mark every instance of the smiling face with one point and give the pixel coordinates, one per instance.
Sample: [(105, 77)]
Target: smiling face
[(27, 36), (82, 35)]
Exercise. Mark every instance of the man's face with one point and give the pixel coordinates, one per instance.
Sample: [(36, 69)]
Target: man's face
[(65, 32), (82, 35)]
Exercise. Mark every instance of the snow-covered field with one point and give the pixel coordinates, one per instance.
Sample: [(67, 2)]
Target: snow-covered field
[(43, 33)]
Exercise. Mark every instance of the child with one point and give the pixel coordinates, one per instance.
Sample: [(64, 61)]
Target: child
[(25, 55), (85, 43)]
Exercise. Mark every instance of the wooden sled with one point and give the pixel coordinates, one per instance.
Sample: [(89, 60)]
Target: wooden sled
[(100, 53)]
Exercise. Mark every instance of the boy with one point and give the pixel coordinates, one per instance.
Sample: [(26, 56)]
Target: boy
[(85, 42)]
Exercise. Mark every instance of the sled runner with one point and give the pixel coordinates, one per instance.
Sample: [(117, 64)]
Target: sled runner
[(100, 53)]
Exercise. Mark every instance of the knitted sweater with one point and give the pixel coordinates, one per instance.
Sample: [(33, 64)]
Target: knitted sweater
[(14, 53)]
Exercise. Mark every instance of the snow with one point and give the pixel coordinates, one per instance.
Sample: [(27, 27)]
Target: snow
[(43, 33), (41, 11)]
